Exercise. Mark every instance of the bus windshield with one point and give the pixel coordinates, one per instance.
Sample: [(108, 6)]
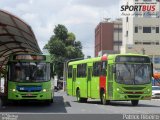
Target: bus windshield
[(29, 72), (132, 74)]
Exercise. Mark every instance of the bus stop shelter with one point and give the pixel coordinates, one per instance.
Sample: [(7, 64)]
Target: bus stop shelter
[(16, 36)]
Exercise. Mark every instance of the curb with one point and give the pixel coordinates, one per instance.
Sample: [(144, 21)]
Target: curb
[(156, 99)]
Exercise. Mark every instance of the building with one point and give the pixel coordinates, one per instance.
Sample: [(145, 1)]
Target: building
[(141, 33), (108, 37)]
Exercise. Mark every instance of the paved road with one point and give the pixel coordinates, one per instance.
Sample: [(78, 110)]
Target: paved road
[(67, 104), (116, 107)]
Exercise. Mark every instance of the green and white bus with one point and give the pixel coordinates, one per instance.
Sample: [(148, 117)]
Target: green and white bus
[(112, 77), (30, 78)]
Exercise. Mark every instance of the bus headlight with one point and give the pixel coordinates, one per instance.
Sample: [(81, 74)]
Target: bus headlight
[(44, 90), (13, 90), (119, 90), (148, 91)]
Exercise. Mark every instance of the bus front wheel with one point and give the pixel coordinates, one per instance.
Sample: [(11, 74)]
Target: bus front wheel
[(134, 102), (51, 101), (78, 96)]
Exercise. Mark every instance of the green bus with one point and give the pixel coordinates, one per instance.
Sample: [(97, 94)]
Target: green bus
[(114, 77), (30, 78)]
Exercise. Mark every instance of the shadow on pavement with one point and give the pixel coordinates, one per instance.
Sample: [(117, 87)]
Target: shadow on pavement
[(121, 103), (36, 107)]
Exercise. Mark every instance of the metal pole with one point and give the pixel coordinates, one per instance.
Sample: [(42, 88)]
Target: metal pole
[(118, 38), (64, 76)]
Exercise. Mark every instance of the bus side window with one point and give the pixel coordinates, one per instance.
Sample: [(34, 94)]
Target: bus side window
[(114, 69), (79, 70), (97, 68), (104, 68), (93, 71), (51, 70), (70, 72), (84, 70)]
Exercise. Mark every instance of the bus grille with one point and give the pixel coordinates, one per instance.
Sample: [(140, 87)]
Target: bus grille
[(133, 96), (29, 96), (134, 88)]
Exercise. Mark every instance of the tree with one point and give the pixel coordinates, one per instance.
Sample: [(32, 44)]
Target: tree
[(78, 45), (57, 47), (61, 32), (71, 52), (70, 39), (63, 46)]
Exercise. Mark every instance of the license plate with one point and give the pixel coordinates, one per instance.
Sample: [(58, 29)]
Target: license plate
[(29, 95)]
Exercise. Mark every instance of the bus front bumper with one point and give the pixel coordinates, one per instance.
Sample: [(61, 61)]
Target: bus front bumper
[(30, 96)]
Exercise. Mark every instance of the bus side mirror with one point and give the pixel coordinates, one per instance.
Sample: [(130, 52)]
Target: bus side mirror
[(152, 69), (114, 69), (52, 69)]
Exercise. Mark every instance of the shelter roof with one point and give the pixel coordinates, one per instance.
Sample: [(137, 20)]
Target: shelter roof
[(16, 36)]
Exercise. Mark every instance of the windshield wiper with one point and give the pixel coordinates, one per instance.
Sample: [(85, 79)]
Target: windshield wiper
[(126, 65), (136, 70), (132, 76)]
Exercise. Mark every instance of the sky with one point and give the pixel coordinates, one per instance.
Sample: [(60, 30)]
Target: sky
[(79, 16)]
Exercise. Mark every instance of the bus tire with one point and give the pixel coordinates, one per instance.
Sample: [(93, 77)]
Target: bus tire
[(84, 100), (1, 103), (134, 102), (79, 99), (103, 98), (51, 101), (48, 102), (4, 101)]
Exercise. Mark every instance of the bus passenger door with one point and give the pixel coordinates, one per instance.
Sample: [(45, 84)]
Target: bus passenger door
[(89, 77), (110, 82), (73, 82)]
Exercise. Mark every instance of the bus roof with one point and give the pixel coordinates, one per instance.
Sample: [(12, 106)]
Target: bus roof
[(110, 56), (127, 54), (85, 60)]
